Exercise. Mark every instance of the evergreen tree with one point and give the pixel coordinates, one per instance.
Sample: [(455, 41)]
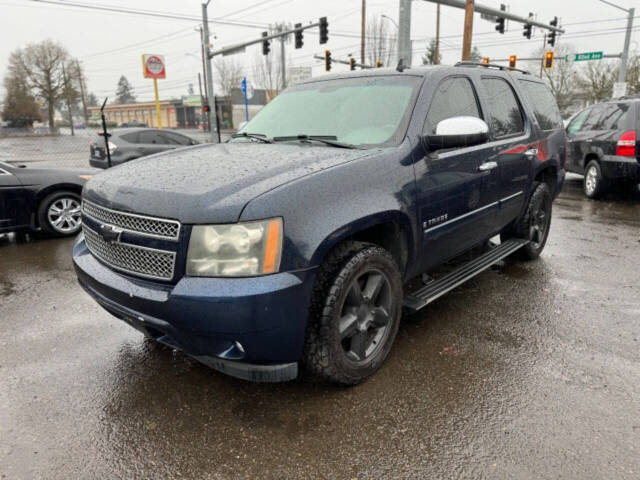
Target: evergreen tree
[(124, 91), (20, 107), (429, 58)]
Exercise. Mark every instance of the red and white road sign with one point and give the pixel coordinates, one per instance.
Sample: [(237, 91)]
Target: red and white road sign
[(153, 66)]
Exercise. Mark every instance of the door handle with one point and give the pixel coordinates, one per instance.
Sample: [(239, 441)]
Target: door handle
[(485, 167), (532, 152)]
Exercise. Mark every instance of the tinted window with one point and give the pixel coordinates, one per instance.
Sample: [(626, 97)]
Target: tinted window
[(175, 139), (613, 116), (506, 116), (131, 137), (591, 123), (149, 137), (577, 122), (454, 97), (544, 104)]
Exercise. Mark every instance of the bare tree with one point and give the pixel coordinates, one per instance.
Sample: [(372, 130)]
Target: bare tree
[(633, 75), (39, 67), (267, 73), (228, 75), (597, 79), (562, 78), (380, 42)]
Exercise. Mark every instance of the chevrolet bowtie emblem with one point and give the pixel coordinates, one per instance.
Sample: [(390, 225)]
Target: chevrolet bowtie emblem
[(109, 233)]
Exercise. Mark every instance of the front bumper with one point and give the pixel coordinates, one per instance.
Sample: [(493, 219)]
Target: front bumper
[(251, 328)]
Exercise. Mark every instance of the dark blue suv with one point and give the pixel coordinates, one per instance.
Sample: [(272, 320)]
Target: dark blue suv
[(300, 241)]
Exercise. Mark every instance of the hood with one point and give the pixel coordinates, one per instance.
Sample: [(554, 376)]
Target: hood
[(209, 183)]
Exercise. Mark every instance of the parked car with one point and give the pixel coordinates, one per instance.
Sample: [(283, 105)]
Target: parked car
[(298, 242), (32, 198), (130, 143), (603, 145)]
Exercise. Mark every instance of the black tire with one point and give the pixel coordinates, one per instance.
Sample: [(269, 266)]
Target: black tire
[(594, 183), (534, 224), (330, 354), (70, 224)]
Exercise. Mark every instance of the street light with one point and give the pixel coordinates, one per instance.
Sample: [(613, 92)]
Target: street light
[(622, 72)]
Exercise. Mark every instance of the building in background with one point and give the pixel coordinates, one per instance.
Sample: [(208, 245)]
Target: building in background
[(176, 113)]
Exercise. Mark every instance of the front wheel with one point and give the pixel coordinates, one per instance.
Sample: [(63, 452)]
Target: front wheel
[(355, 313)]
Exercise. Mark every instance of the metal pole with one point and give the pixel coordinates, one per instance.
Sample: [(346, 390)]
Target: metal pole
[(283, 60), (363, 30), (544, 44), (468, 30), (155, 91), (209, 76), (437, 62), (201, 98), (205, 99), (404, 32), (622, 73)]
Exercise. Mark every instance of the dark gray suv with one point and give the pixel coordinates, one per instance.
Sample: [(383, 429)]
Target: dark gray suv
[(130, 143)]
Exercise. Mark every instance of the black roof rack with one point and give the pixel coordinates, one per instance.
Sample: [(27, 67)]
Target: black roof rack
[(490, 65)]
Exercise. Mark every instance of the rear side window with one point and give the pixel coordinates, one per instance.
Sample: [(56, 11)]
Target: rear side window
[(149, 137), (544, 104), (131, 137), (592, 121), (506, 116), (454, 97), (576, 123), (613, 117), (175, 139)]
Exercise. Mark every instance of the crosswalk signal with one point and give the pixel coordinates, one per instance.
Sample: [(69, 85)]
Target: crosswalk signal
[(327, 60), (298, 35), (551, 40), (352, 63), (265, 44), (500, 20), (548, 60), (378, 63), (512, 61), (486, 60), (324, 30)]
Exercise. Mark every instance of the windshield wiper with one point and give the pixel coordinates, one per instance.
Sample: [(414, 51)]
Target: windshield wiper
[(326, 139), (258, 136)]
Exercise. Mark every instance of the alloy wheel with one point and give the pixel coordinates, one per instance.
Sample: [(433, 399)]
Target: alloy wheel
[(365, 316), (64, 215)]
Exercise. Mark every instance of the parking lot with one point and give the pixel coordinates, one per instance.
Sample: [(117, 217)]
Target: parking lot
[(527, 371)]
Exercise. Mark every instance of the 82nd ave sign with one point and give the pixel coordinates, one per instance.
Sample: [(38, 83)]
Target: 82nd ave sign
[(581, 57)]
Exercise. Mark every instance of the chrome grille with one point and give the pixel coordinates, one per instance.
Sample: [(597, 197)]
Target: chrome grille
[(141, 261), (131, 222)]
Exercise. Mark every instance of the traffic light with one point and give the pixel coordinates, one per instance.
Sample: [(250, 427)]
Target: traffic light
[(298, 35), (500, 20), (548, 60), (206, 108), (324, 30), (527, 31), (265, 44), (352, 63), (378, 63), (486, 60), (552, 36), (327, 60), (512, 61)]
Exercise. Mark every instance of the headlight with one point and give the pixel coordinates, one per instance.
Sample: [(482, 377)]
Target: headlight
[(237, 250)]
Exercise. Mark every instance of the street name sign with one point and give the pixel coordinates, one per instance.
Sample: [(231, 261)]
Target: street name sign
[(581, 57)]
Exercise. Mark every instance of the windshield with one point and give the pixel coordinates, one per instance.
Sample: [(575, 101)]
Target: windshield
[(357, 111)]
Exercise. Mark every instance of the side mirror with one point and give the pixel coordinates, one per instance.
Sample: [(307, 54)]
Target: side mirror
[(456, 132), (241, 125)]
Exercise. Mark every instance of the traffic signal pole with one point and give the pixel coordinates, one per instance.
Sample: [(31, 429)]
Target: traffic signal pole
[(622, 73), (213, 126)]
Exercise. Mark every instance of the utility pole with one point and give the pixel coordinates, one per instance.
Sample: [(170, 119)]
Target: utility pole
[(85, 112), (622, 74), (209, 79), (544, 46), (204, 100), (67, 92), (404, 32), (468, 30), (437, 62), (363, 27)]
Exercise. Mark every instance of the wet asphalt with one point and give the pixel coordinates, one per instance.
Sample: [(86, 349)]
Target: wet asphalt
[(528, 371)]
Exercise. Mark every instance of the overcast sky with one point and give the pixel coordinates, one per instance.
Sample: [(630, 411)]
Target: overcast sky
[(92, 36)]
